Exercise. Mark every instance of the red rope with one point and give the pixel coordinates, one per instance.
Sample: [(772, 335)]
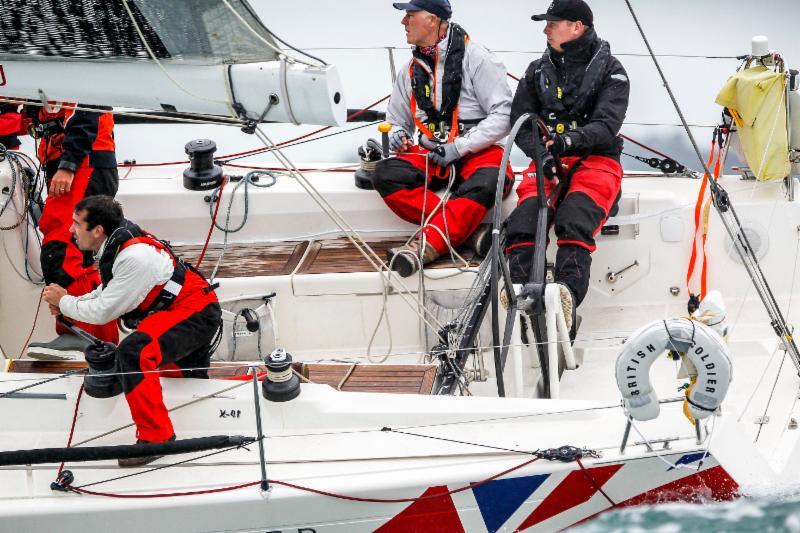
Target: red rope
[(262, 150), (594, 483), (309, 489), (165, 495), (637, 143), (213, 223), (33, 326), (72, 428)]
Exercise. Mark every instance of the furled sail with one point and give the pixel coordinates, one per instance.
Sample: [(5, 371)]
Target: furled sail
[(211, 57)]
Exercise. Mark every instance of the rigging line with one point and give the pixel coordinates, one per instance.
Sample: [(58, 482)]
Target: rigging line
[(771, 393), (202, 119), (594, 482), (470, 486), (641, 145), (42, 382), (631, 54), (192, 402), (709, 126), (232, 157), (298, 142), (447, 424), (733, 225), (358, 242), (169, 465), (158, 62), (23, 352), (265, 41), (72, 426), (794, 273), (500, 448)]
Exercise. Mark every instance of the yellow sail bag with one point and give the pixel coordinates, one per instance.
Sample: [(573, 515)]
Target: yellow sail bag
[(756, 98)]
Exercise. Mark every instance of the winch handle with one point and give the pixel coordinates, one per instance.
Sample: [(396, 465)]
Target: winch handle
[(85, 335), (385, 128)]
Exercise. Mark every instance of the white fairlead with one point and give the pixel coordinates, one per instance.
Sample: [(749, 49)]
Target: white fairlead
[(702, 346)]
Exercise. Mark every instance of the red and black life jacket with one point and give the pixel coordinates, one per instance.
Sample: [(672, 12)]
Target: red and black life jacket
[(161, 296)]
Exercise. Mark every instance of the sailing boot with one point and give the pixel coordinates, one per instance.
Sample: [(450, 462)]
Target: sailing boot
[(405, 260), (65, 347), (570, 310), (480, 241), (130, 462)]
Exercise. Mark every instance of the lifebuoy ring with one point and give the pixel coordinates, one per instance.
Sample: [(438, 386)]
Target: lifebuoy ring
[(701, 345)]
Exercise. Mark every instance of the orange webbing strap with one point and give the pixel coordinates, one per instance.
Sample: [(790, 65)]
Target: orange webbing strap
[(698, 208), (706, 212)]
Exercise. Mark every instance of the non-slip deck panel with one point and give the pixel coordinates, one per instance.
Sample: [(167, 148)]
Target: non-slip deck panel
[(247, 260), (397, 379), (328, 256)]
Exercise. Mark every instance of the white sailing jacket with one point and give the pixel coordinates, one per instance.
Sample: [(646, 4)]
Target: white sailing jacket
[(137, 269), (485, 96)]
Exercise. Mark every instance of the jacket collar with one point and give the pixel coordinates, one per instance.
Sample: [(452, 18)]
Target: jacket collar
[(580, 50)]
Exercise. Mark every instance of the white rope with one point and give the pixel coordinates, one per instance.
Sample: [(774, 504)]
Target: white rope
[(358, 242)]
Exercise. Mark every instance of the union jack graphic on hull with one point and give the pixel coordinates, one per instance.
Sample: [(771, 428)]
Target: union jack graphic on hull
[(566, 496)]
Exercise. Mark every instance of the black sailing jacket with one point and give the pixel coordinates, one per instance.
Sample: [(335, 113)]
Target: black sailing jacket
[(582, 91)]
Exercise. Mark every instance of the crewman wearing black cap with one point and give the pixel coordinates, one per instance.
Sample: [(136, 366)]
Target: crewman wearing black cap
[(455, 94), (580, 91)]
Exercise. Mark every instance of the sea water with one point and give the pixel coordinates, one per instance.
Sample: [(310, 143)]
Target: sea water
[(764, 511)]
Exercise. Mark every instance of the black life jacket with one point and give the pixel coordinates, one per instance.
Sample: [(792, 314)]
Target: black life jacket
[(422, 81), (161, 296), (567, 104)]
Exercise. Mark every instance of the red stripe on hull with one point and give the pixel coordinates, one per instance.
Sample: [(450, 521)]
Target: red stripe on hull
[(426, 515), (577, 488), (712, 484)]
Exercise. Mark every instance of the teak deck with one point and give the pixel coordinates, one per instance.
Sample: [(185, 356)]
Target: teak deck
[(327, 256), (397, 379)]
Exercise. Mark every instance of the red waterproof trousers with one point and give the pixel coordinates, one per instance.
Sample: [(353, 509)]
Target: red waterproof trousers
[(175, 342), (591, 198), (401, 182), (62, 262)]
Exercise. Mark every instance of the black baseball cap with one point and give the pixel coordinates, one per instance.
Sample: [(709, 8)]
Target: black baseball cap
[(572, 10), (440, 8)]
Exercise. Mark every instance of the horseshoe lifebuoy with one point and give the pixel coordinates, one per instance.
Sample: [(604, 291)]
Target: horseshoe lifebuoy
[(701, 345)]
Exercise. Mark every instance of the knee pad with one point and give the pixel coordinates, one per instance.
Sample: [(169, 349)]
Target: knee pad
[(129, 354), (578, 219), (393, 174)]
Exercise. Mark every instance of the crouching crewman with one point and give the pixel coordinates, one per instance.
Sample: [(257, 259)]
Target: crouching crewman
[(143, 280)]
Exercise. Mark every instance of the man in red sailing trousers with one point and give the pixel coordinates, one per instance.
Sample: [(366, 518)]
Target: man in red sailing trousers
[(142, 280), (454, 93), (76, 151), (580, 91)]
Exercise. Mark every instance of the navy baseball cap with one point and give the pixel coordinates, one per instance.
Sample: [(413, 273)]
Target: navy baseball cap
[(440, 8), (572, 10)]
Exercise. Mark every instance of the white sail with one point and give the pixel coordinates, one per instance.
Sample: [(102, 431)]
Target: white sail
[(210, 57)]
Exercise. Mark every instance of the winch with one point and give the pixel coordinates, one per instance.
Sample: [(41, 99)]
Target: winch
[(102, 379), (203, 174), (280, 385)]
